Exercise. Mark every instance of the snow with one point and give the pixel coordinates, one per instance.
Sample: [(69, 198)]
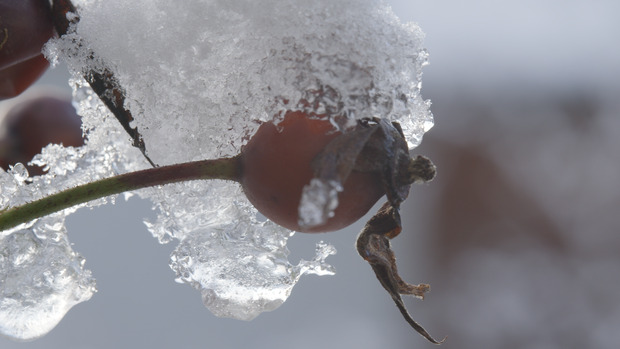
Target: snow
[(199, 76)]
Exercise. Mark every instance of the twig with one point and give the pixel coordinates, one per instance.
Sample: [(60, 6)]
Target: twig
[(224, 168)]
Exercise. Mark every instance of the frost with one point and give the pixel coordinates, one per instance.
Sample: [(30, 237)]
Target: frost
[(199, 76)]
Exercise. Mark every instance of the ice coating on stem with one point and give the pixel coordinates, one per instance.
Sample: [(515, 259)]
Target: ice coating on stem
[(199, 75)]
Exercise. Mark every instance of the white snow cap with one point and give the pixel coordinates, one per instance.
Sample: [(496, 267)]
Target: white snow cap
[(199, 73)]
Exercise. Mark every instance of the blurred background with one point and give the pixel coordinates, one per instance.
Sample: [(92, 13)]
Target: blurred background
[(518, 234)]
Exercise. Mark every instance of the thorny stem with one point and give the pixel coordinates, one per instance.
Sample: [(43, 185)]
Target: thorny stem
[(224, 168)]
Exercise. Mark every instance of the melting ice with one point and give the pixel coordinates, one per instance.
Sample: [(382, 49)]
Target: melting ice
[(199, 75)]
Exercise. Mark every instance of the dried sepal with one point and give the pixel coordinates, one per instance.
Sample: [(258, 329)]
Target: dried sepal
[(376, 145), (387, 153), (419, 170), (339, 157), (373, 244)]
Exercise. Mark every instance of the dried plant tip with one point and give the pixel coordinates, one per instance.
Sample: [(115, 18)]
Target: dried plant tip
[(60, 9), (373, 244), (104, 84), (413, 323), (420, 170)]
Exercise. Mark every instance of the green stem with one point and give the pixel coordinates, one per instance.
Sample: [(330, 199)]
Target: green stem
[(225, 168)]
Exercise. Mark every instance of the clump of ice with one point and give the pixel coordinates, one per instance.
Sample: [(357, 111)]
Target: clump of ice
[(41, 278), (237, 262), (260, 278), (199, 76)]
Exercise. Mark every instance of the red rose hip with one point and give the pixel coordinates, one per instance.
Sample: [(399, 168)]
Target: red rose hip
[(33, 124), (25, 26), (276, 167)]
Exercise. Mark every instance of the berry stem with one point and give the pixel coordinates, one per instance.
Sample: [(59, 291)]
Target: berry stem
[(224, 168)]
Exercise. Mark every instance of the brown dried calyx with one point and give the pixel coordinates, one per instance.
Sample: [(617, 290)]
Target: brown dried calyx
[(373, 244), (379, 146)]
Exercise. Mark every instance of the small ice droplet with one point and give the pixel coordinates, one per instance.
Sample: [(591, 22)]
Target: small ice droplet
[(423, 57), (318, 266), (19, 172)]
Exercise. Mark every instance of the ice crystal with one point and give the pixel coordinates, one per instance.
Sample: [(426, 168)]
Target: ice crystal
[(41, 278)]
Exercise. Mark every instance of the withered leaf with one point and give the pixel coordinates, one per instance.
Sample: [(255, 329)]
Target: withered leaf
[(373, 244)]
